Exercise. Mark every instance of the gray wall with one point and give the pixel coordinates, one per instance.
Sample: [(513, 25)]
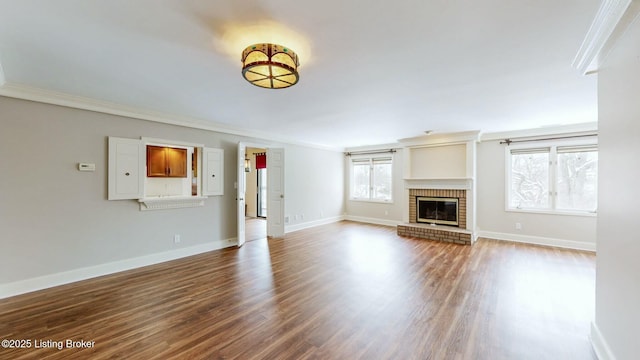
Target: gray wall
[(377, 212), (492, 216), (492, 219), (618, 260), (56, 219)]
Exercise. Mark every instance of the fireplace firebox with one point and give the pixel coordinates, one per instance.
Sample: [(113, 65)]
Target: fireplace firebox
[(437, 210)]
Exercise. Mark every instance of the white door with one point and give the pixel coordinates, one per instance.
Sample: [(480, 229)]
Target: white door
[(275, 189), (242, 148)]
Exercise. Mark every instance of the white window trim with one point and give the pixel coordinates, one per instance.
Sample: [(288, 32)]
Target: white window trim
[(371, 157), (552, 145)]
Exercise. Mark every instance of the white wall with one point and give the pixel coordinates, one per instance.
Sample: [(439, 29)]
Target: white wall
[(55, 219), (494, 221), (442, 161), (618, 260)]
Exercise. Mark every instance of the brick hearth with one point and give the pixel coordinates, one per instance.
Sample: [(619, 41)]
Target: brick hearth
[(437, 233)]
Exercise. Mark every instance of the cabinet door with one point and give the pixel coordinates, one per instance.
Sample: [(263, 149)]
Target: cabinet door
[(176, 162), (126, 169), (156, 161), (213, 171)]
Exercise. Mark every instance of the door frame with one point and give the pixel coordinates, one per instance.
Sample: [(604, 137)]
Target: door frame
[(248, 144)]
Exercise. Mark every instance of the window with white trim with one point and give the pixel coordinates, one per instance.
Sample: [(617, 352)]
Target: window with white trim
[(371, 178), (554, 178)]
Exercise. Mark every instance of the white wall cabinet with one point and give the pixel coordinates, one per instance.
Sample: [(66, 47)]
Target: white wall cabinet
[(126, 169), (213, 171)]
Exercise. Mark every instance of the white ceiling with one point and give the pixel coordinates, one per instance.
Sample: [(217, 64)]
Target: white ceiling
[(371, 71)]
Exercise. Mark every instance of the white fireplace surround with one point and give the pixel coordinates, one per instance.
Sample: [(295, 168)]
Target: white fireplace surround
[(447, 162)]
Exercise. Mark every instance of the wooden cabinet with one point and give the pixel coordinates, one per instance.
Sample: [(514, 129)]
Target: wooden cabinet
[(166, 162)]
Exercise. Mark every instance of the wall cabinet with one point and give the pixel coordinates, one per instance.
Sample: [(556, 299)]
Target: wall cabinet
[(126, 169), (166, 162), (164, 165), (213, 172)]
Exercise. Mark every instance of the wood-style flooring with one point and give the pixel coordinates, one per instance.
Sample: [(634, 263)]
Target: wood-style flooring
[(255, 228), (338, 291)]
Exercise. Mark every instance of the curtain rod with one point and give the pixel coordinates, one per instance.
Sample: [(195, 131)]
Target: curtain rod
[(369, 152), (509, 141)]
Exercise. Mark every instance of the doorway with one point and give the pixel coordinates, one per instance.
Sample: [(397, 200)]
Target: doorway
[(256, 194), (262, 193), (274, 204)]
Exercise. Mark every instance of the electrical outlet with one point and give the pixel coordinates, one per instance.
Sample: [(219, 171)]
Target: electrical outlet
[(301, 216), (286, 219), (518, 226), (176, 238), (386, 212)]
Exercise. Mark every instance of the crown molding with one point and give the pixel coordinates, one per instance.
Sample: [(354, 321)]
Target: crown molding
[(610, 22), (573, 129), (24, 92), (441, 138), (375, 147)]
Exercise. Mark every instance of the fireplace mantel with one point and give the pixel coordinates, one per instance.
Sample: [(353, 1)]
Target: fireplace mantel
[(456, 183)]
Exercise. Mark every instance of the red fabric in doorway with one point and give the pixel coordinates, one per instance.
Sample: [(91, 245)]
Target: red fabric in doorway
[(261, 161)]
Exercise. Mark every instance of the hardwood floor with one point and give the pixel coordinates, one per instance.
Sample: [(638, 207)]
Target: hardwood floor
[(339, 291), (255, 228)]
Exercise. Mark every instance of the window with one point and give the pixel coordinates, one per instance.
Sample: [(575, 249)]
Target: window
[(371, 178), (553, 178)]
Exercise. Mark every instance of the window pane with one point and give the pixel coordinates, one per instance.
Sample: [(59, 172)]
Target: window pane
[(529, 180), (577, 181), (381, 181), (360, 188)]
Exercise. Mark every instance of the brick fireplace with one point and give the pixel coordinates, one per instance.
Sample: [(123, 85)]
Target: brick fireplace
[(461, 195), (440, 171), (446, 233)]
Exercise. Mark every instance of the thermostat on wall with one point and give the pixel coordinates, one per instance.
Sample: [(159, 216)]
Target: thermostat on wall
[(86, 167)]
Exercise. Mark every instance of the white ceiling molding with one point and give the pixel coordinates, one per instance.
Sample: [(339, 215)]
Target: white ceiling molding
[(61, 99), (610, 21), (442, 138), (375, 147), (574, 129)]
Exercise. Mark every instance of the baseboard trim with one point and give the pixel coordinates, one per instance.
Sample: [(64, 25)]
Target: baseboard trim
[(67, 277), (600, 345), (538, 240), (310, 224), (375, 221)]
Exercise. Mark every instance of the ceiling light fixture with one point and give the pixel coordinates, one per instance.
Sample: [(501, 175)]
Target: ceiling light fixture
[(270, 66)]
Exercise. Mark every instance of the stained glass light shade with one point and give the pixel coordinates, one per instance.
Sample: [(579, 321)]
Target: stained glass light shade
[(270, 66)]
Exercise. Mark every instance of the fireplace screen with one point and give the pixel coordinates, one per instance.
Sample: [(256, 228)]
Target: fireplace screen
[(437, 210)]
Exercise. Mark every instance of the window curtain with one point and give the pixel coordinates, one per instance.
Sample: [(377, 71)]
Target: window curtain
[(261, 161)]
